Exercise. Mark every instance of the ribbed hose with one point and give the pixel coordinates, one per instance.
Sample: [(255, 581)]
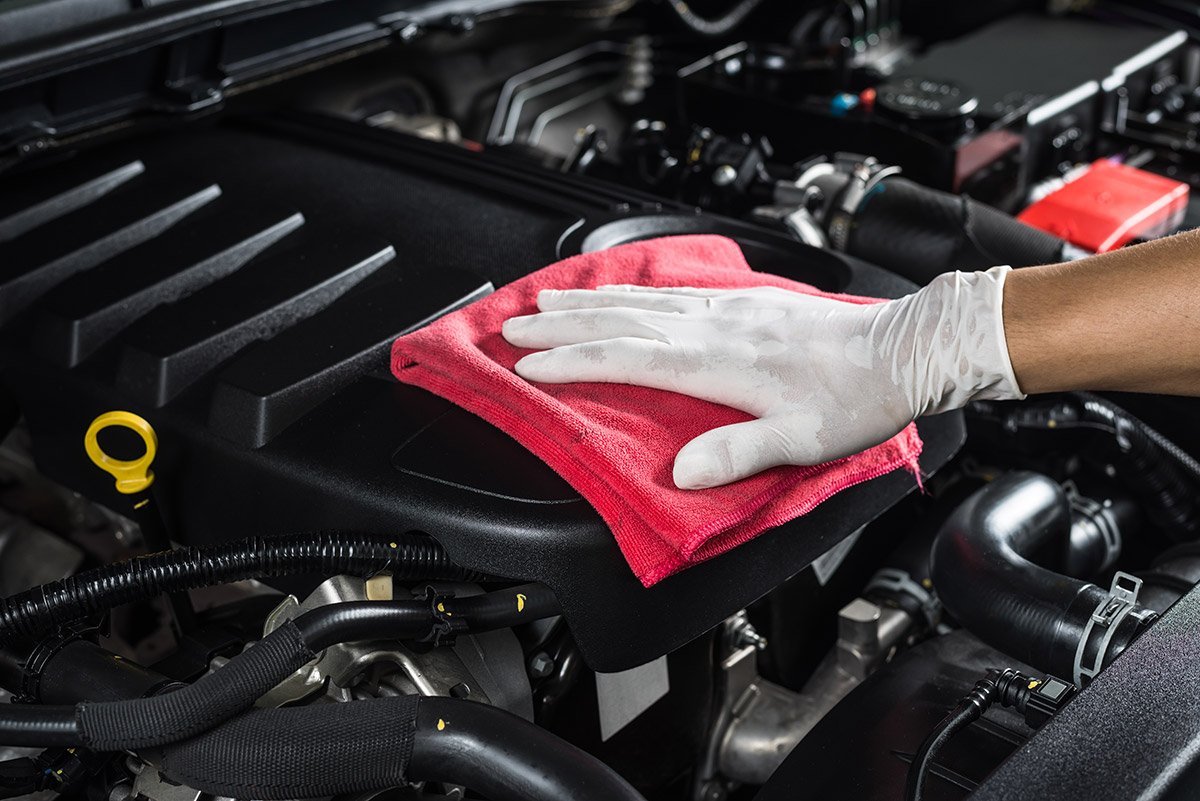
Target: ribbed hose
[(330, 749), (1169, 475), (186, 712), (41, 610)]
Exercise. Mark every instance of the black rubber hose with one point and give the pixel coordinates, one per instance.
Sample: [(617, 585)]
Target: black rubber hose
[(921, 233), (39, 611), (24, 725), (329, 749), (504, 757), (220, 695), (983, 573)]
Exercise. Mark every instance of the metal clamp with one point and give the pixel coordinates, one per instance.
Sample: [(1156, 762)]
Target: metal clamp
[(1121, 600), (864, 177)]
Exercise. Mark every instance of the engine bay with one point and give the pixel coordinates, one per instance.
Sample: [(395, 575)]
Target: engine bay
[(239, 560)]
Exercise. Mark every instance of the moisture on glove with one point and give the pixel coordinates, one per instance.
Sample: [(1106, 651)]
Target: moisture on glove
[(616, 444), (823, 378)]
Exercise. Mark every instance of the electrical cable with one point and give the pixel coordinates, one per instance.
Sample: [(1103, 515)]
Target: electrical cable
[(1037, 699), (41, 610), (220, 695)]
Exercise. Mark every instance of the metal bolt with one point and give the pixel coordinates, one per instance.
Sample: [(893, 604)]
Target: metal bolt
[(724, 175), (749, 636), (739, 633), (540, 665), (460, 690)]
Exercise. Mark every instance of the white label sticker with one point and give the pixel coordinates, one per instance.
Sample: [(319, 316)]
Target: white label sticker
[(625, 695), (828, 562)]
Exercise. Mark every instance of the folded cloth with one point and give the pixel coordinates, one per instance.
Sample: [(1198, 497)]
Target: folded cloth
[(615, 444)]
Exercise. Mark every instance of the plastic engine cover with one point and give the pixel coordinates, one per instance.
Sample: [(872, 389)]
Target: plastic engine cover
[(239, 286)]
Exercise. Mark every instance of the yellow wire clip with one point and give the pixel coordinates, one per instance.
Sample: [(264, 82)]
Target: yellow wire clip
[(134, 475)]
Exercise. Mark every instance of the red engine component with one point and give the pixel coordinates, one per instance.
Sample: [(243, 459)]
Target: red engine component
[(1109, 205)]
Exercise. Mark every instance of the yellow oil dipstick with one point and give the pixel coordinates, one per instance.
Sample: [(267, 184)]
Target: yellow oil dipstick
[(133, 475)]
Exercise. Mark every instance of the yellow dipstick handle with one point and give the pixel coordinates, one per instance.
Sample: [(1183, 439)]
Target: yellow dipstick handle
[(132, 476)]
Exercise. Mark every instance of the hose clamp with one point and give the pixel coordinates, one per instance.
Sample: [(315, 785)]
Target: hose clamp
[(1106, 617), (894, 581), (864, 177), (44, 651)]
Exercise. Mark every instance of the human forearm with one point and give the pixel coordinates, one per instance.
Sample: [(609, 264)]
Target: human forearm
[(1127, 320)]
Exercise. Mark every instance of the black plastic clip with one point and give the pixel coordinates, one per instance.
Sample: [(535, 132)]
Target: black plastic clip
[(447, 626)]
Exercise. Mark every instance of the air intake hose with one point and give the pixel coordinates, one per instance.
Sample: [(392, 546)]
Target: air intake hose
[(41, 610), (921, 233), (983, 573), (330, 749)]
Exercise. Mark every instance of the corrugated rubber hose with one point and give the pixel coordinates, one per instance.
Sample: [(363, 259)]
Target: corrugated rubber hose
[(41, 610), (983, 573), (329, 749), (218, 696)]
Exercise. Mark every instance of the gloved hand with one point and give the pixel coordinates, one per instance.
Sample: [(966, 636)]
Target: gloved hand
[(825, 378)]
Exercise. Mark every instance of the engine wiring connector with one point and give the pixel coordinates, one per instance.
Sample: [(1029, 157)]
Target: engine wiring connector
[(1037, 699)]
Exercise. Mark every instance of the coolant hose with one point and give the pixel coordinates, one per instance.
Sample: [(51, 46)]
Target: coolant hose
[(39, 611), (983, 573), (921, 233), (330, 749), (218, 696)]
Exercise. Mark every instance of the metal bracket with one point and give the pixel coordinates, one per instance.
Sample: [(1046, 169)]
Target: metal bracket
[(1121, 600)]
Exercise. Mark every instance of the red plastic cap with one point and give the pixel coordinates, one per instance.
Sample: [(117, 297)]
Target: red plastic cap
[(1108, 206)]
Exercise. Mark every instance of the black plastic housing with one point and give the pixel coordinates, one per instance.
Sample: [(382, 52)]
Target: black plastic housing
[(890, 715), (239, 287)]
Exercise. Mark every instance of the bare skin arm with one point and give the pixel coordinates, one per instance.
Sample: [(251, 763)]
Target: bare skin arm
[(1127, 320), (825, 379)]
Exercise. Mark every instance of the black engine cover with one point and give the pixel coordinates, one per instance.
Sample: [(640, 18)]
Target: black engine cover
[(239, 286)]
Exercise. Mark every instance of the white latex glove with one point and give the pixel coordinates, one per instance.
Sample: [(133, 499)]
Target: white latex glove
[(825, 378)]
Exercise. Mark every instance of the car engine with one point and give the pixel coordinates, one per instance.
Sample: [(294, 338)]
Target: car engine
[(240, 560)]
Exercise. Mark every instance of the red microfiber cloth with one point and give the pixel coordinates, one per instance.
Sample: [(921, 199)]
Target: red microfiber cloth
[(615, 444)]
